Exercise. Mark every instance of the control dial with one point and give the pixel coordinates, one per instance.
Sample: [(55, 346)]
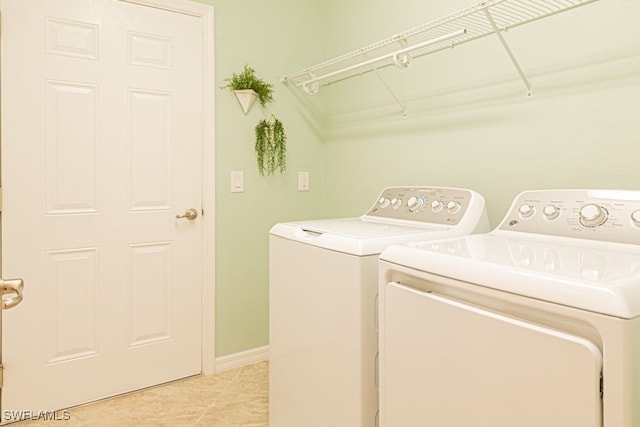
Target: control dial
[(453, 207), (415, 203), (383, 202), (396, 202), (526, 211), (592, 215), (635, 218), (437, 206), (551, 212)]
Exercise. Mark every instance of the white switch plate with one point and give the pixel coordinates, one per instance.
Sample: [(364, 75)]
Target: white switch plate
[(237, 181), (303, 181)]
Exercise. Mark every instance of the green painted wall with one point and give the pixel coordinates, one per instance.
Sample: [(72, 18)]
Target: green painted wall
[(469, 122), (274, 37)]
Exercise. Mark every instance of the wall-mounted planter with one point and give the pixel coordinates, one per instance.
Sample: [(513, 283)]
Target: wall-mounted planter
[(246, 98), (247, 86)]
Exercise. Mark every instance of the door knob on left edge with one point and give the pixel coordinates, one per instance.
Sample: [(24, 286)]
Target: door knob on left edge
[(8, 287), (190, 214)]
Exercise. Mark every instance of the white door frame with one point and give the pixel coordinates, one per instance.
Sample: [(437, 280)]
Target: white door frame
[(205, 12)]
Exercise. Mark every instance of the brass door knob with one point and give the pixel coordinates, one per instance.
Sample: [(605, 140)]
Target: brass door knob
[(189, 214)]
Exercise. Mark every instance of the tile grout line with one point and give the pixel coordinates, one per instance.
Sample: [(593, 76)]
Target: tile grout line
[(215, 400)]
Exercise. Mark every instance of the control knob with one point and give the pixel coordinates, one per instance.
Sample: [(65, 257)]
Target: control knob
[(396, 202), (551, 212), (415, 203), (526, 211), (383, 202), (635, 218), (592, 215), (437, 206), (453, 207)]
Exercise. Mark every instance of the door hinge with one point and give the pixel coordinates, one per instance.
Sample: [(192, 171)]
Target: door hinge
[(1, 375)]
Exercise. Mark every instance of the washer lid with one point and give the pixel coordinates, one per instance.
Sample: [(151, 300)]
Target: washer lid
[(357, 236), (600, 277)]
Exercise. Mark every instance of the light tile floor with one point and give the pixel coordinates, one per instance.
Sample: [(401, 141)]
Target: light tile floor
[(234, 398)]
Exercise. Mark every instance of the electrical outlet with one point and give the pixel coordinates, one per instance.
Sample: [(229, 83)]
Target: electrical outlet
[(237, 181), (303, 181)]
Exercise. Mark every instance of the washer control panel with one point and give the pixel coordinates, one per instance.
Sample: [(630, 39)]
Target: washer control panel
[(437, 205), (606, 215)]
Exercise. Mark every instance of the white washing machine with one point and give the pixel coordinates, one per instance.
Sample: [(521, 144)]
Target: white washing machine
[(323, 282), (536, 323)]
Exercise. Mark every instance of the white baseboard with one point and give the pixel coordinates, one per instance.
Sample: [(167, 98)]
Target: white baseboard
[(244, 358)]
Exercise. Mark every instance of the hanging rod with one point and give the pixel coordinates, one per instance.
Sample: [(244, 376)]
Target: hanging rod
[(400, 58), (485, 18)]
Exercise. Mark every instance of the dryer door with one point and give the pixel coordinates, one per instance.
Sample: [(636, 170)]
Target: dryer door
[(444, 363)]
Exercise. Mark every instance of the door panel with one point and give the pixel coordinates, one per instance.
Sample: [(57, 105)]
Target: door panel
[(101, 149), (71, 305), (70, 146), (445, 363)]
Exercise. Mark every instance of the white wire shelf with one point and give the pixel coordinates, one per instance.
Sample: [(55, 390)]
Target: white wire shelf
[(487, 17)]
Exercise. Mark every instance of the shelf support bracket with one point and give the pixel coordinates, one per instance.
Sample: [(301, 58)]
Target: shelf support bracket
[(507, 49), (391, 92)]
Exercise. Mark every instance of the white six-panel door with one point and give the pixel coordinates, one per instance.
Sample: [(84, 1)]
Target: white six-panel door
[(101, 149)]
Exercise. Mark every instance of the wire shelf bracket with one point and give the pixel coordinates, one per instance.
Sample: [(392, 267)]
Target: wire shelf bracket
[(509, 52), (485, 18)]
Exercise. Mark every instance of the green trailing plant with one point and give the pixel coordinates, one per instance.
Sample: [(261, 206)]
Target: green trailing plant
[(247, 79), (271, 146)]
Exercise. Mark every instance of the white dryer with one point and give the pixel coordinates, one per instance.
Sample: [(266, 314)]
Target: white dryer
[(536, 323), (323, 282)]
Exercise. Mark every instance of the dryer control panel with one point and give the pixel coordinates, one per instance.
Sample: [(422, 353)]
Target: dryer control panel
[(437, 205), (604, 215)]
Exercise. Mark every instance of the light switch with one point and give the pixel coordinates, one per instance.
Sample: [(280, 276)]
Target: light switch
[(237, 181), (303, 181)]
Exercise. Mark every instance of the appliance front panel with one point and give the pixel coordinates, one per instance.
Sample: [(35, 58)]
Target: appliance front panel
[(446, 363)]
